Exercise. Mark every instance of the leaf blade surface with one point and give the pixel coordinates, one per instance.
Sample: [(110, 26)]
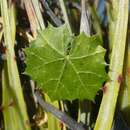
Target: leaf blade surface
[(66, 67)]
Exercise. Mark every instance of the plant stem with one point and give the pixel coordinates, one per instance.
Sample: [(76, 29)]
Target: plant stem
[(124, 95), (108, 104), (12, 20), (11, 87)]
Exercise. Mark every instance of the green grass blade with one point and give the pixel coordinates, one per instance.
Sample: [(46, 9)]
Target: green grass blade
[(15, 116), (12, 118), (108, 104), (12, 21)]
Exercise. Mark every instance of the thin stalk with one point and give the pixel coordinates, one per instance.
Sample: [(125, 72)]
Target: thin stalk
[(62, 4), (9, 109), (12, 20), (12, 97), (108, 104), (124, 95)]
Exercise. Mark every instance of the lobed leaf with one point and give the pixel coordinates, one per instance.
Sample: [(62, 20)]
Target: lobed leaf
[(66, 67)]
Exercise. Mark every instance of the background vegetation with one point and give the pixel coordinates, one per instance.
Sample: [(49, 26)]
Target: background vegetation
[(22, 100)]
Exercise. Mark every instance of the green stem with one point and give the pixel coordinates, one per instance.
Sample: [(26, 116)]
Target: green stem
[(108, 104), (12, 20), (11, 87), (128, 72), (124, 95)]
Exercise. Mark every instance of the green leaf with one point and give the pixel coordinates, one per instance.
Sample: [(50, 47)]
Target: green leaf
[(66, 67)]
